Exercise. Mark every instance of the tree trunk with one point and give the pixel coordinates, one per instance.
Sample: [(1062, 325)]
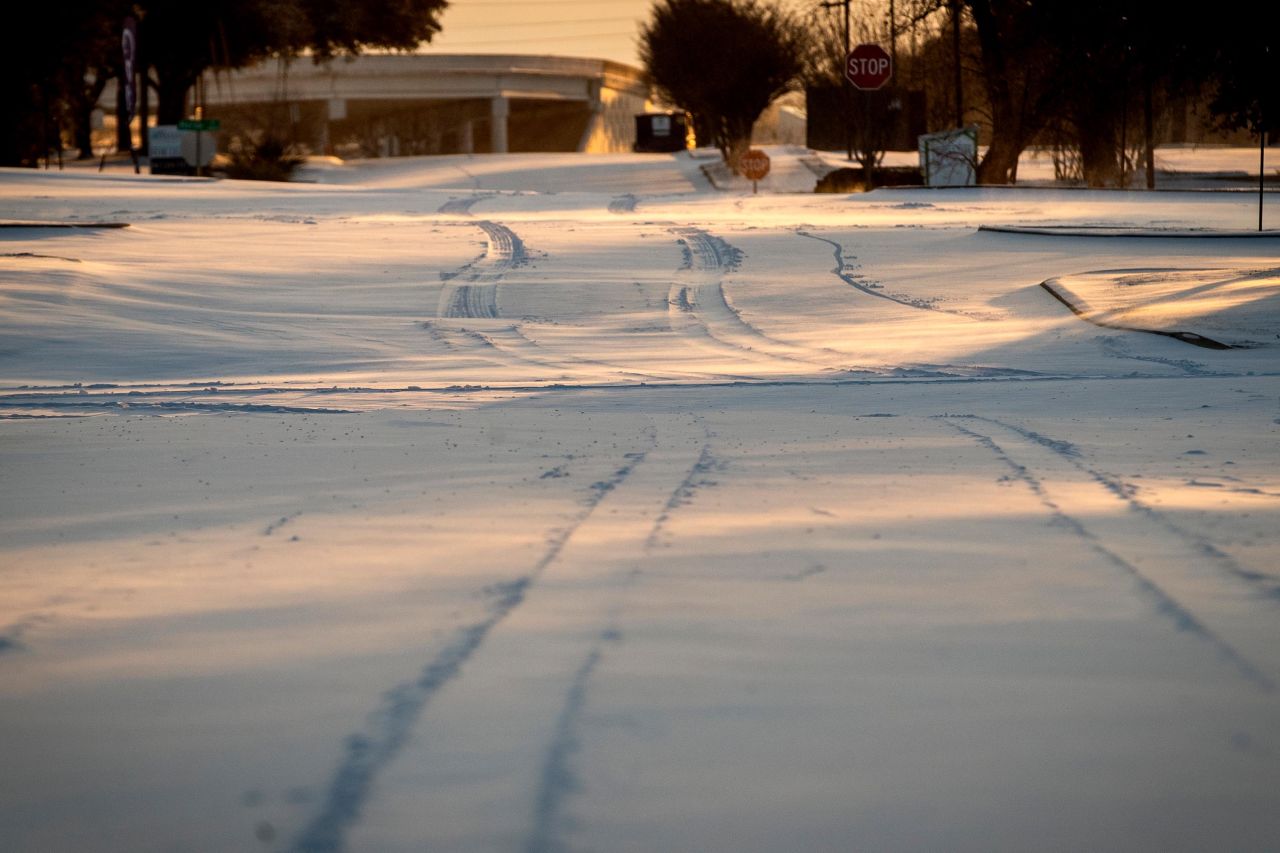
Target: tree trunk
[(734, 150), (171, 98), (19, 123), (1099, 154), (85, 101), (1019, 80), (124, 129), (84, 136), (1000, 166)]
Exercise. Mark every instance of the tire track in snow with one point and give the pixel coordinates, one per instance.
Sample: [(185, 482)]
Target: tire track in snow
[(698, 311), (462, 206), (1116, 348), (511, 344), (11, 635), (1156, 591), (388, 726), (511, 347), (521, 339), (844, 270), (703, 309), (472, 292), (698, 477), (558, 780), (623, 204), (1264, 585)]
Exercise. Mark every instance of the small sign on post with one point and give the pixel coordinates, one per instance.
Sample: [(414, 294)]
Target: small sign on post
[(200, 124), (755, 166)]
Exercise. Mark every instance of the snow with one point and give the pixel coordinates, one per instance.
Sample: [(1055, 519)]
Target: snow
[(548, 502)]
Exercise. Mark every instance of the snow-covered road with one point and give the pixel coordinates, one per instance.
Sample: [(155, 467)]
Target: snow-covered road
[(542, 503)]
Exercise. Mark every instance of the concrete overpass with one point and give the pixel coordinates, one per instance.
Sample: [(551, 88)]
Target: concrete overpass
[(390, 104)]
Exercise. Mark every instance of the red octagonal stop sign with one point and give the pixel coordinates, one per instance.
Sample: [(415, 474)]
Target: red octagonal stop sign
[(868, 66)]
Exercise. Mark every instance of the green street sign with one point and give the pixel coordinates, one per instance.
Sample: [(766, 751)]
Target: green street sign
[(199, 124)]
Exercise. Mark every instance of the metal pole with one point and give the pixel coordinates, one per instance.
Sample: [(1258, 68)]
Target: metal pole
[(848, 132), (199, 117), (1262, 147), (955, 44), (844, 78)]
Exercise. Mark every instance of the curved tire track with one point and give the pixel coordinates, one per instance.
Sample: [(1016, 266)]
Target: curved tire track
[(472, 292), (844, 271), (623, 204), (462, 206), (703, 309), (699, 312)]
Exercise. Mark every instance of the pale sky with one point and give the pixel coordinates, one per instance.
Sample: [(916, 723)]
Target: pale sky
[(598, 29)]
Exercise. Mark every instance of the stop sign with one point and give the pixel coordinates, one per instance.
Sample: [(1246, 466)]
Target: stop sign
[(868, 66), (754, 165)]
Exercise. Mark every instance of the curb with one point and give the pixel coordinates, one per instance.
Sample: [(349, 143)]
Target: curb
[(1104, 231)]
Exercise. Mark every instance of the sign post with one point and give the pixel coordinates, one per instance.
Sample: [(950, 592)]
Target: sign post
[(868, 67), (755, 166)]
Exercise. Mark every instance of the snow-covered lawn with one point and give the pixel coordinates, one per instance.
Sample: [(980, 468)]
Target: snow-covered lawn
[(556, 502)]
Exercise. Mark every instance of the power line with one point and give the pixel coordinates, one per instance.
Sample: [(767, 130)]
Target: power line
[(452, 45), (524, 3), (559, 23)]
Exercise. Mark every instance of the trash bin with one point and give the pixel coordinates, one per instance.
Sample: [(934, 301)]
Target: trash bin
[(659, 132)]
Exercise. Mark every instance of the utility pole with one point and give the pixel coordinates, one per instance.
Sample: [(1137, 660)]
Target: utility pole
[(1148, 127), (848, 135), (893, 35), (1262, 146), (955, 46)]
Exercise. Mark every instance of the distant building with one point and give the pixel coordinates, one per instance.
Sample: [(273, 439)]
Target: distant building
[(664, 131), (400, 104), (783, 122)]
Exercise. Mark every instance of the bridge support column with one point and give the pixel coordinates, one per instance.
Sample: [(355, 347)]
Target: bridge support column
[(499, 111), (596, 119), (335, 109)]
